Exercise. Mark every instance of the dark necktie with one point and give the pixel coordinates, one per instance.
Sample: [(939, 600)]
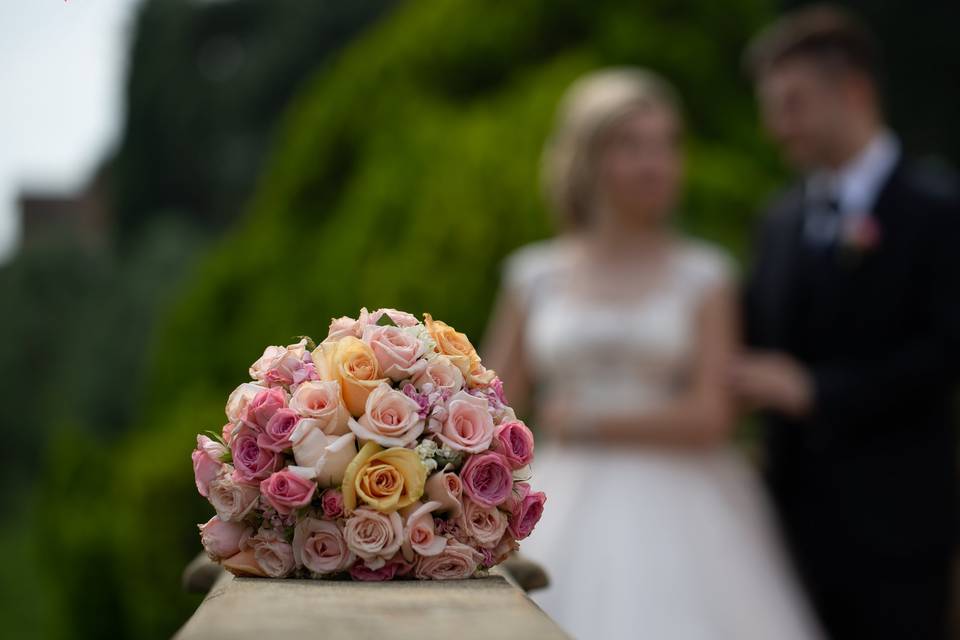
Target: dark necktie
[(822, 222)]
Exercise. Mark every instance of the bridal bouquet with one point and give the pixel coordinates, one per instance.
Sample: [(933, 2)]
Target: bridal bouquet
[(387, 451)]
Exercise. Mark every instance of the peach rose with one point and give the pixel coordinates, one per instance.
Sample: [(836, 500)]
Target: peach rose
[(352, 363), (244, 563), (391, 419), (324, 458), (321, 401), (385, 479), (486, 525), (468, 425), (456, 562), (374, 536), (319, 546), (453, 344), (419, 534)]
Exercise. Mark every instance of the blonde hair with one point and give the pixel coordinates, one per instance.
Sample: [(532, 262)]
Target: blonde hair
[(591, 105)]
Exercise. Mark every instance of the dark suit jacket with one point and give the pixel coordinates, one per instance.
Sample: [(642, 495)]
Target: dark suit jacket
[(869, 478)]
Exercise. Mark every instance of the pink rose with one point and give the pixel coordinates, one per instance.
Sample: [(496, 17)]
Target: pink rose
[(445, 488), (391, 418), (232, 500), (252, 462), (515, 442), (286, 491), (244, 563), (319, 546), (526, 509), (321, 401), (468, 425), (276, 433), (221, 539), (456, 562), (345, 326), (486, 525), (487, 478), (206, 462), (272, 552), (263, 406), (419, 535), (397, 351), (400, 318), (394, 567), (332, 503), (374, 536), (441, 374), (281, 366), (324, 458), (240, 399)]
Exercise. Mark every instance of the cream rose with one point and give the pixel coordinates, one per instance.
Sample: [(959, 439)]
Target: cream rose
[(419, 534), (445, 488), (391, 419), (324, 458)]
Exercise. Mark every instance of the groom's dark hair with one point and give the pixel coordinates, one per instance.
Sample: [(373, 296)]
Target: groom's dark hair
[(823, 34)]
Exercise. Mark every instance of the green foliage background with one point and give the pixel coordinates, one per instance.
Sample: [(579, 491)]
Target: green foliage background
[(401, 177)]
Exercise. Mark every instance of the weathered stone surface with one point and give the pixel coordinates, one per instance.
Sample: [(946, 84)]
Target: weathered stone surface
[(481, 608)]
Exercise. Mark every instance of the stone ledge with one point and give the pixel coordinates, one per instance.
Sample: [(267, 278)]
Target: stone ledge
[(257, 608)]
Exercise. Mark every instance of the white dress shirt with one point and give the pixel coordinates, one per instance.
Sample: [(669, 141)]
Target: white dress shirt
[(853, 188)]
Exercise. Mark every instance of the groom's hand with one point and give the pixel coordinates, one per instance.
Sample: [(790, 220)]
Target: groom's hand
[(770, 380)]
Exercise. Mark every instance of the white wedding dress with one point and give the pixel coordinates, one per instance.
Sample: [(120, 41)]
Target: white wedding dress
[(643, 543)]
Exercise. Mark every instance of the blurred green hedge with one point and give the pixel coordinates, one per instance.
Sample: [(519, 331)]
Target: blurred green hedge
[(402, 175)]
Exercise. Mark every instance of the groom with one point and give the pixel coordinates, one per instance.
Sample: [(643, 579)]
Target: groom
[(853, 323)]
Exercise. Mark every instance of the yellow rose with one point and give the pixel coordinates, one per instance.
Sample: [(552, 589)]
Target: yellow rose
[(385, 479), (352, 363), (453, 344)]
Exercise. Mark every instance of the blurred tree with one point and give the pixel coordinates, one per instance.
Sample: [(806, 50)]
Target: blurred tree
[(207, 81), (401, 176)]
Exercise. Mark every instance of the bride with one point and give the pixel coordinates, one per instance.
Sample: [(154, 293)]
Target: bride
[(618, 333)]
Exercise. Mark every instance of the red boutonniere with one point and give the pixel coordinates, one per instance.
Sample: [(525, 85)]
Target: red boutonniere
[(861, 235)]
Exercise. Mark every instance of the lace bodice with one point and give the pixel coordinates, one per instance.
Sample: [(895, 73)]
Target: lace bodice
[(611, 355)]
